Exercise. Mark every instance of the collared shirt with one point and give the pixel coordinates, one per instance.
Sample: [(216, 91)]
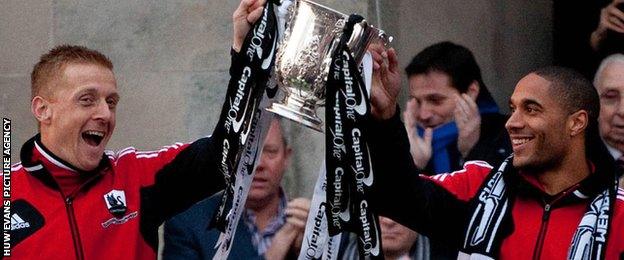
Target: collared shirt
[(616, 155), (261, 239), (614, 152)]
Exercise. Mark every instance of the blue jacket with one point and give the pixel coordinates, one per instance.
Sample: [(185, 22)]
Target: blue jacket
[(187, 235)]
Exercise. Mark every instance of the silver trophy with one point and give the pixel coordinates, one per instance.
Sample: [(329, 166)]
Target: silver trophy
[(312, 34)]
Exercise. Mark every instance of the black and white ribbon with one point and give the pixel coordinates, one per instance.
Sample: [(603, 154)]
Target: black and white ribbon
[(349, 170), (317, 243), (336, 184), (242, 126), (244, 176)]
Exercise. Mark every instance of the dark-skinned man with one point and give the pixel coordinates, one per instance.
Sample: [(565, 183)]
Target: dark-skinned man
[(556, 197)]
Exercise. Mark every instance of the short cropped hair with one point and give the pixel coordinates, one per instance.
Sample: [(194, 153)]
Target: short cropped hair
[(574, 90), (51, 64), (576, 93), (456, 61)]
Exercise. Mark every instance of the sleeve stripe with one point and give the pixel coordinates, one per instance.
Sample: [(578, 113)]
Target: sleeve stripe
[(479, 163), (152, 155), (125, 152), (16, 167), (150, 152), (442, 176), (165, 148)]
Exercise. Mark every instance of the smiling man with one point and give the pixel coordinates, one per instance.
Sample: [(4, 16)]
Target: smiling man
[(76, 109), (555, 197), (72, 199), (451, 116)]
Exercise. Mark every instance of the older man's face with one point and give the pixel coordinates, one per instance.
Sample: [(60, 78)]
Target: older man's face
[(610, 87), (271, 167)]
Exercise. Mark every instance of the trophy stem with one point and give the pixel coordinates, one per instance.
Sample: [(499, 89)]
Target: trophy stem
[(299, 111)]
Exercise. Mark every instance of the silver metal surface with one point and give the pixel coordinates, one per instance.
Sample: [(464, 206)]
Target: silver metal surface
[(312, 34)]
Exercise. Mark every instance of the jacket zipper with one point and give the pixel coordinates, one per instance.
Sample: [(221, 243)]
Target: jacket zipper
[(74, 228), (537, 252), (542, 233), (69, 206)]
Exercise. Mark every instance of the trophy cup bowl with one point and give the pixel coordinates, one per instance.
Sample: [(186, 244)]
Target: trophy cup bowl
[(303, 59)]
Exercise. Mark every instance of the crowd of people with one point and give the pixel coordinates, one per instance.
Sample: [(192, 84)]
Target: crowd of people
[(455, 177)]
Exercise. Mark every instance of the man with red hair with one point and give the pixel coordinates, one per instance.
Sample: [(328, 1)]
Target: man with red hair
[(72, 199)]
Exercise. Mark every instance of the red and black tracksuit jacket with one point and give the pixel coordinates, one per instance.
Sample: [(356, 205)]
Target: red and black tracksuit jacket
[(439, 206), (113, 212)]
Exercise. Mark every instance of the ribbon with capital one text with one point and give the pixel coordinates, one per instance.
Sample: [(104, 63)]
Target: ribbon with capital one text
[(243, 123), (348, 175)]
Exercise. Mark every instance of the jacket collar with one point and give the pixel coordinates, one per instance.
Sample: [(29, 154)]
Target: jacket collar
[(39, 161), (602, 177)]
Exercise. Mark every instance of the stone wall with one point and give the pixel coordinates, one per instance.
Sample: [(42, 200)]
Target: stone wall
[(171, 58)]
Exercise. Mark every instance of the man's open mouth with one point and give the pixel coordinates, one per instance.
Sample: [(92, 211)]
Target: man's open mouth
[(92, 137), (519, 141)]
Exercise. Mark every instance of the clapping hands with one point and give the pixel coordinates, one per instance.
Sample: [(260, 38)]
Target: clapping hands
[(420, 147), (468, 122)]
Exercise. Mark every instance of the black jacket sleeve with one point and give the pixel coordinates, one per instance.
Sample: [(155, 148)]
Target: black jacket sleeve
[(189, 178), (400, 194)]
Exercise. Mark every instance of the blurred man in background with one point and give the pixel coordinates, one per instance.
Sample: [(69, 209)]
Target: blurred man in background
[(451, 116), (398, 243), (270, 228)]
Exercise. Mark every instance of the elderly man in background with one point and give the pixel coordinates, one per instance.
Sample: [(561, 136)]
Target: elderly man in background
[(609, 81), (270, 228)]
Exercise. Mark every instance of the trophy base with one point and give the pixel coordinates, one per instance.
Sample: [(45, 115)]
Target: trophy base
[(311, 121)]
